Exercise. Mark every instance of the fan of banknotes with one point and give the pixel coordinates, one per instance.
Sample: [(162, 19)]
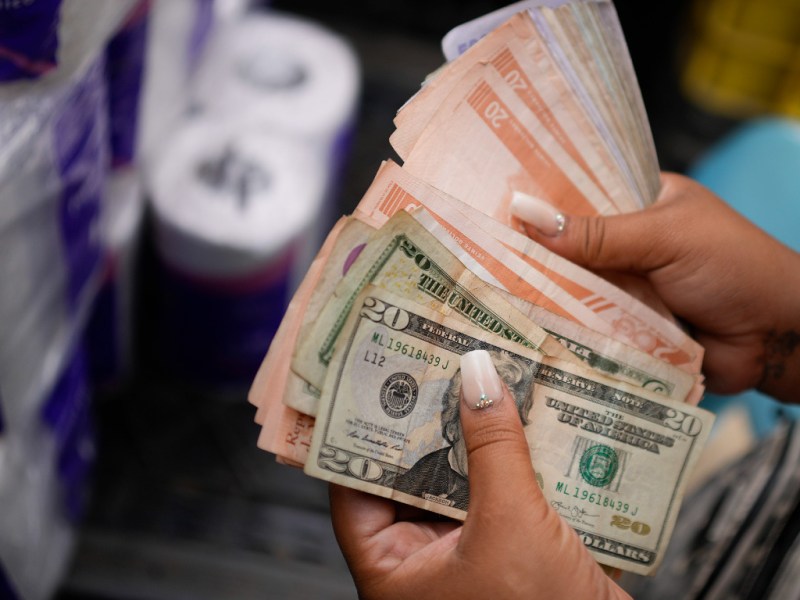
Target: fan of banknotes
[(361, 384)]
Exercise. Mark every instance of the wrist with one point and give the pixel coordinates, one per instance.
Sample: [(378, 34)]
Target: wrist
[(781, 374)]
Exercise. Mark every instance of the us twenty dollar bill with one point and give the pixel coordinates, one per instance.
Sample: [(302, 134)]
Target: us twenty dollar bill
[(611, 458)]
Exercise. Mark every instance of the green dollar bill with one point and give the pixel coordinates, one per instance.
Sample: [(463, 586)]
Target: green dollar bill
[(612, 459)]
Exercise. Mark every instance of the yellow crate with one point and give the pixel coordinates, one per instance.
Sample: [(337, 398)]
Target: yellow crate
[(788, 102), (741, 57), (768, 19)]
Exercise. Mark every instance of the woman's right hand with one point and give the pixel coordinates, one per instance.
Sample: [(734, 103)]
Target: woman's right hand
[(737, 287), (513, 544)]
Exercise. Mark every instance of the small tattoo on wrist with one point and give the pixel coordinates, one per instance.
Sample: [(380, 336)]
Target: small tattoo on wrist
[(778, 348)]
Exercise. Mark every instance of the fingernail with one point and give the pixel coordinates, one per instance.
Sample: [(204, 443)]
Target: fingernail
[(480, 384), (542, 215)]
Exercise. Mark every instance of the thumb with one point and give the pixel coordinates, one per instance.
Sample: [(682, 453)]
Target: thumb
[(499, 462), (633, 242)]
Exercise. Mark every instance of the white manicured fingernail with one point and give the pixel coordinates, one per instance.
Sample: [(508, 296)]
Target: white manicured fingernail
[(480, 384), (542, 215)]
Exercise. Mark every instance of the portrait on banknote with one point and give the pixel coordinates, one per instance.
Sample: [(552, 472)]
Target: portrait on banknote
[(442, 474)]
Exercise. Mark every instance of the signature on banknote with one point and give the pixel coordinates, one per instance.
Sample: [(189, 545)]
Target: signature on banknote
[(573, 512), (376, 442)]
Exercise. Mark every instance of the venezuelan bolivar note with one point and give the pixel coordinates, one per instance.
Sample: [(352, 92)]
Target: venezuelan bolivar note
[(612, 459), (404, 257)]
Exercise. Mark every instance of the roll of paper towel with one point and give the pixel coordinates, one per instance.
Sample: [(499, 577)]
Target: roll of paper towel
[(280, 72), (233, 210), (178, 33)]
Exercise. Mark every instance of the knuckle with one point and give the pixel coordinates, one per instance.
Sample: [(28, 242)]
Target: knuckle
[(495, 434), (594, 234)]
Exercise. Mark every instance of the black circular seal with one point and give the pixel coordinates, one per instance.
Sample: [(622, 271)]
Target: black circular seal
[(399, 395)]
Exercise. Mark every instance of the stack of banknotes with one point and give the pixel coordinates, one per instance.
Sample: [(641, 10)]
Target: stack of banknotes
[(361, 384)]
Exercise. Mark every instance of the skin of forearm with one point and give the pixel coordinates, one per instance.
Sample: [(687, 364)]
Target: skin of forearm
[(781, 378), (781, 375)]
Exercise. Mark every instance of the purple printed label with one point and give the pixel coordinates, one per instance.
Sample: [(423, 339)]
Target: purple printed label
[(201, 32), (67, 413), (340, 153), (71, 392), (339, 156), (81, 149), (124, 68), (28, 38), (219, 332)]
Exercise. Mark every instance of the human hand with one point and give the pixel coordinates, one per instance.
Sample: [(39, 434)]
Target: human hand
[(737, 287), (512, 545)]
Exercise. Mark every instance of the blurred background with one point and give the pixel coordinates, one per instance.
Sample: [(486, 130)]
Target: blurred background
[(157, 211)]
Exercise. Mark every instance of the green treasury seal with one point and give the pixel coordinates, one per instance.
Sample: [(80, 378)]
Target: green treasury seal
[(599, 465)]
